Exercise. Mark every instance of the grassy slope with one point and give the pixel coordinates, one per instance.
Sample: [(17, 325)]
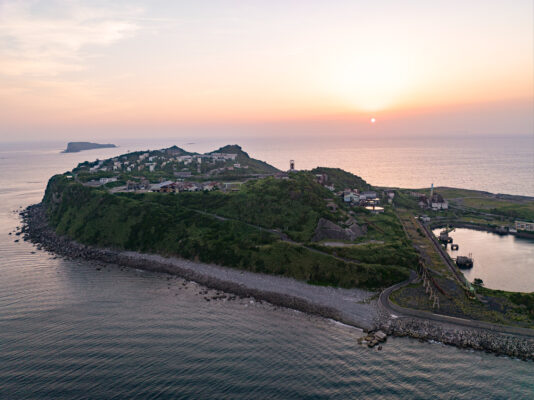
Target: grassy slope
[(509, 206), (294, 205), (342, 179), (161, 224)]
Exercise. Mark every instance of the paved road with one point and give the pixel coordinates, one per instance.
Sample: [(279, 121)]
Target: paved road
[(402, 312), (398, 311)]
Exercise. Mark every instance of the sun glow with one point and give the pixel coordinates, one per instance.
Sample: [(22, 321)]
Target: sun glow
[(372, 80)]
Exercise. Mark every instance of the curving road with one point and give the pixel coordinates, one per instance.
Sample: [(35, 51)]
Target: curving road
[(401, 312)]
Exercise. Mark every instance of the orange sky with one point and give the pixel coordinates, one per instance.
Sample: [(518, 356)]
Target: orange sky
[(141, 66)]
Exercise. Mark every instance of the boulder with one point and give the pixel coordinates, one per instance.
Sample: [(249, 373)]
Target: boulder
[(380, 336), (330, 230)]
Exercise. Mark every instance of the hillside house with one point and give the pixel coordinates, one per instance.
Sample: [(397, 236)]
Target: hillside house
[(350, 196), (157, 186), (368, 195), (437, 202), (524, 226)]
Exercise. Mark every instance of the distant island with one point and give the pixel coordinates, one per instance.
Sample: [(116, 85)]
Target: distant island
[(75, 147), (321, 228)]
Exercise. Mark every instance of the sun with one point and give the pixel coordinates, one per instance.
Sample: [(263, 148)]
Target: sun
[(373, 120)]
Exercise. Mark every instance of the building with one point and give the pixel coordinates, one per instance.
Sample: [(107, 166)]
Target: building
[(424, 218), (349, 196), (390, 194), (437, 202), (209, 186), (524, 226), (223, 156), (170, 188), (368, 195), (375, 209), (132, 186), (157, 187)]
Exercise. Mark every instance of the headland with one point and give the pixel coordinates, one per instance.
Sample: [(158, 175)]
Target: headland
[(321, 241)]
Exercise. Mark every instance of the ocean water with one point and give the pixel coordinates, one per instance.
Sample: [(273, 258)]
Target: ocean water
[(73, 329)]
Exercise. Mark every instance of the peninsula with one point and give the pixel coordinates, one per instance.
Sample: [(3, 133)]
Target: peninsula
[(75, 147), (323, 241)]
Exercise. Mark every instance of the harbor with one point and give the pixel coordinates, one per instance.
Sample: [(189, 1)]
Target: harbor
[(504, 262)]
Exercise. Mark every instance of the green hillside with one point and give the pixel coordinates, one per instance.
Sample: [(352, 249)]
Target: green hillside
[(255, 166), (180, 224), (342, 179)]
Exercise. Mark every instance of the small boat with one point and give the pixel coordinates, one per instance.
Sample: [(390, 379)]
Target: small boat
[(464, 262)]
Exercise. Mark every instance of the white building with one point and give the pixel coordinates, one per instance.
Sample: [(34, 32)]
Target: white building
[(351, 197), (444, 205), (524, 226), (223, 156)]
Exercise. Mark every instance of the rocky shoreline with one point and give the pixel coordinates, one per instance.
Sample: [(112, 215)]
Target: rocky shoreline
[(268, 288), (366, 315), (467, 338)]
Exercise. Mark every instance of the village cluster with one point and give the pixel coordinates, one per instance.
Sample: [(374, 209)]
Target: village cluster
[(171, 162), (434, 202), (185, 166), (153, 161)]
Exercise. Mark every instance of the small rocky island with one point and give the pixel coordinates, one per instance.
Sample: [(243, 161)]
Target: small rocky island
[(75, 147)]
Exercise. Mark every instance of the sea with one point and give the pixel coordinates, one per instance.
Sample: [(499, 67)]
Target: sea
[(78, 330)]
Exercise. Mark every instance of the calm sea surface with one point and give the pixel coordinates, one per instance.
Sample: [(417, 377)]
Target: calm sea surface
[(503, 262), (71, 329)]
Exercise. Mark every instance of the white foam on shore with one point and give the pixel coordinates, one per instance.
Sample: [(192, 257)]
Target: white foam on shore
[(334, 322)]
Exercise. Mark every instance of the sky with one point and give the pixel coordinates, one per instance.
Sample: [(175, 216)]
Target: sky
[(98, 69)]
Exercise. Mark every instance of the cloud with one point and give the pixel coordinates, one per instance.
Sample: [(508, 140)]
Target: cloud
[(45, 38)]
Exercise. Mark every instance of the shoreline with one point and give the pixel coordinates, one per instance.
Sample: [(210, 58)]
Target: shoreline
[(355, 307)]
